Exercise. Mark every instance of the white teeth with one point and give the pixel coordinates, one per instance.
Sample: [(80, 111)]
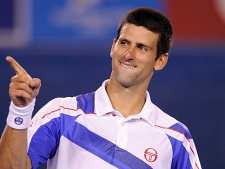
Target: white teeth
[(127, 66)]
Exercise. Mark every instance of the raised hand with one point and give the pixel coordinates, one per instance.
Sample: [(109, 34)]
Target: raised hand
[(23, 88)]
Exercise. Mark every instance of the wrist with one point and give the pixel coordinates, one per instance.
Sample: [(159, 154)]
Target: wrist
[(20, 117)]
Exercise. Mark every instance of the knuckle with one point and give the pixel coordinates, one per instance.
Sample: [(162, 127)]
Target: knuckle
[(14, 78), (24, 78), (23, 86), (11, 85)]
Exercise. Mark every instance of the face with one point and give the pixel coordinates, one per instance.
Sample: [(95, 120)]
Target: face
[(133, 56)]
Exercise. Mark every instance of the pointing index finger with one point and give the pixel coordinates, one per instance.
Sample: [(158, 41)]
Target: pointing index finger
[(16, 66)]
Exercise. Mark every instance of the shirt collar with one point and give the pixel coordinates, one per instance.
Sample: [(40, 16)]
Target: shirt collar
[(104, 106), (102, 102)]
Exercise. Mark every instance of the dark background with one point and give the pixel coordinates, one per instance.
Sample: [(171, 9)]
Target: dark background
[(190, 88)]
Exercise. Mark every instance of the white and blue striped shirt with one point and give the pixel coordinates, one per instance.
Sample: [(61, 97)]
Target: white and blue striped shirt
[(85, 132)]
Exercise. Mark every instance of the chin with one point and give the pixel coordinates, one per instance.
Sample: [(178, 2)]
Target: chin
[(125, 81)]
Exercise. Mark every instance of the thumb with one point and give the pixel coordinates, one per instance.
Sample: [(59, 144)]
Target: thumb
[(35, 85)]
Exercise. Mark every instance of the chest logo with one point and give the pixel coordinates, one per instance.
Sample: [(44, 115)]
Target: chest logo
[(150, 155)]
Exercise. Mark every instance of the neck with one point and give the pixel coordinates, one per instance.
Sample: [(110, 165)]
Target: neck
[(127, 100)]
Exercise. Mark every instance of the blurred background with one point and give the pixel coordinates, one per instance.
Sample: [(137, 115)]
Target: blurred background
[(66, 44)]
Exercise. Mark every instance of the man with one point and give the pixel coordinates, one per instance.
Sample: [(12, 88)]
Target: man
[(116, 126)]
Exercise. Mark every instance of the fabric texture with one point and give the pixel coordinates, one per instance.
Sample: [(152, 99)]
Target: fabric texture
[(86, 132)]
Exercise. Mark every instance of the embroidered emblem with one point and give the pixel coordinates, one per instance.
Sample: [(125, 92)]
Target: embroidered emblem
[(151, 155), (18, 120)]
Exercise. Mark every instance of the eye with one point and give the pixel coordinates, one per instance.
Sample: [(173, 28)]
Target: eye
[(124, 43), (143, 48)]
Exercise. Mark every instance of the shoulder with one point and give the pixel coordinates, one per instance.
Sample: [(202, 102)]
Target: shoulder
[(67, 105), (54, 109), (170, 125), (86, 102), (57, 104), (58, 111)]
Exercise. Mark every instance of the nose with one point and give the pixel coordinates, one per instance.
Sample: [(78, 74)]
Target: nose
[(129, 53)]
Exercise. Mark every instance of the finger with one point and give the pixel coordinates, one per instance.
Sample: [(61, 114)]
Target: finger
[(21, 79), (16, 66), (20, 86), (35, 83), (20, 97)]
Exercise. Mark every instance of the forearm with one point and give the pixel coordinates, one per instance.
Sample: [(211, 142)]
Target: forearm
[(13, 145), (13, 149)]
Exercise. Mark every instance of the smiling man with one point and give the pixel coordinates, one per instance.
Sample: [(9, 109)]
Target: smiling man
[(133, 64), (117, 126)]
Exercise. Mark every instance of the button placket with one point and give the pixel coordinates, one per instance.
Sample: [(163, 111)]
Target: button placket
[(122, 136)]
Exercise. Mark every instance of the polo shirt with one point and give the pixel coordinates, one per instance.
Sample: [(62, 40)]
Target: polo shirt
[(85, 132)]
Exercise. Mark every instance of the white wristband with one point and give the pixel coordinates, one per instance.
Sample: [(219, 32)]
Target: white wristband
[(20, 117)]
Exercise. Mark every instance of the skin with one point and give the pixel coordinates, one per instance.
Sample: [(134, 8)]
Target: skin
[(22, 90), (133, 65)]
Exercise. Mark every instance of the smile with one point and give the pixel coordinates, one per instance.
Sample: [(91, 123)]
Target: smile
[(128, 66)]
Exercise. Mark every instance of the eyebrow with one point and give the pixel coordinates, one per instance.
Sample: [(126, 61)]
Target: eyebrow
[(141, 44), (138, 44), (124, 39)]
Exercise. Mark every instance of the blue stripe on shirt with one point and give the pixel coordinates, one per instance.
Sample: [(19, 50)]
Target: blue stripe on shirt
[(96, 144), (86, 102), (180, 155), (103, 148), (182, 128), (45, 141)]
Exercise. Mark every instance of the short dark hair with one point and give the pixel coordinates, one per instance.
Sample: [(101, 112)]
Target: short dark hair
[(154, 21)]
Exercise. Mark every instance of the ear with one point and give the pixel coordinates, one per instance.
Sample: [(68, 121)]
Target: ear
[(161, 61), (112, 48)]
